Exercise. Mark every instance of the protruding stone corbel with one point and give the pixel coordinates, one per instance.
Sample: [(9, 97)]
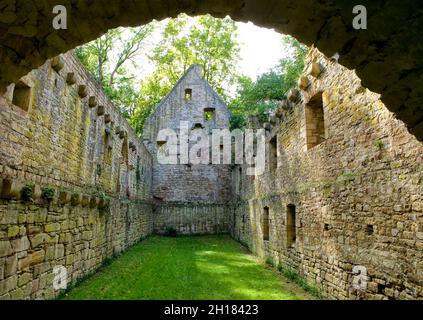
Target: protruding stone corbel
[(100, 110), (64, 197), (314, 69), (37, 192), (92, 102), (303, 82), (293, 95), (82, 90), (76, 199), (107, 118), (11, 189), (122, 134), (102, 203), (94, 201), (85, 200), (70, 78), (57, 64), (117, 130)]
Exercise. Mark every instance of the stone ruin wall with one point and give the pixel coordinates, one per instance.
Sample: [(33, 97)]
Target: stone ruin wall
[(358, 195), (190, 198), (59, 132)]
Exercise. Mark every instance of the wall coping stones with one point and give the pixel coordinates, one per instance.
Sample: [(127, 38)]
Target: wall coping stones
[(82, 90), (57, 64), (314, 69), (70, 78), (100, 110), (92, 102), (303, 82), (64, 197), (11, 189)]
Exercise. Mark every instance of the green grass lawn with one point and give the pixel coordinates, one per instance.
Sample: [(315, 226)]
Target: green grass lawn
[(199, 267)]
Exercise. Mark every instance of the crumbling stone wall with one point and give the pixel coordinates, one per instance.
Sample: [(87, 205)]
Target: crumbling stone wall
[(358, 194), (387, 56), (192, 218), (75, 180)]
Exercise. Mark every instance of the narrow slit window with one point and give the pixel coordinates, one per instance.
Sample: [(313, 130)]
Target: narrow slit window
[(266, 224), (188, 94), (273, 161), (315, 121), (240, 180), (291, 232), (209, 114)]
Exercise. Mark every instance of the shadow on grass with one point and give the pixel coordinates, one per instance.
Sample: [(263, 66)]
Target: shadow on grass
[(206, 267)]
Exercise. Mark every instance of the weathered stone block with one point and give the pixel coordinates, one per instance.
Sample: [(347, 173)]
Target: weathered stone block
[(57, 63), (20, 244), (52, 227), (71, 78), (293, 95), (8, 284), (303, 82), (24, 279), (92, 102), (64, 197), (107, 118), (38, 240), (11, 265), (82, 91), (100, 110), (32, 259), (11, 189), (314, 69), (76, 199), (85, 200), (13, 231), (94, 201)]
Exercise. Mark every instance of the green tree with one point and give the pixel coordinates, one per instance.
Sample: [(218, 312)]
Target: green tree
[(204, 40), (262, 96), (107, 58)]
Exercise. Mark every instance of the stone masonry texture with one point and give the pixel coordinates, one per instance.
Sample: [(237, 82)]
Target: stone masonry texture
[(78, 147), (358, 195), (342, 192)]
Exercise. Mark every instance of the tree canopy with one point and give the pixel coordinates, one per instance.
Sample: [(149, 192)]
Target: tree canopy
[(107, 58), (262, 96), (213, 43)]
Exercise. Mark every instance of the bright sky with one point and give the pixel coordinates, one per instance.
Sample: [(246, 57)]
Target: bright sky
[(261, 49)]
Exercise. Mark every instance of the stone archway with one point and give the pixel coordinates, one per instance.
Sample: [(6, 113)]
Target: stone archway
[(387, 56)]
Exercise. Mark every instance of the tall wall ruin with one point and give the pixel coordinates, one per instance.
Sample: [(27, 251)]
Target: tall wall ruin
[(191, 198), (347, 191), (75, 180)]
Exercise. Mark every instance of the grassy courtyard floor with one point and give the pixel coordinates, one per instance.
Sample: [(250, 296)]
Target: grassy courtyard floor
[(199, 267)]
